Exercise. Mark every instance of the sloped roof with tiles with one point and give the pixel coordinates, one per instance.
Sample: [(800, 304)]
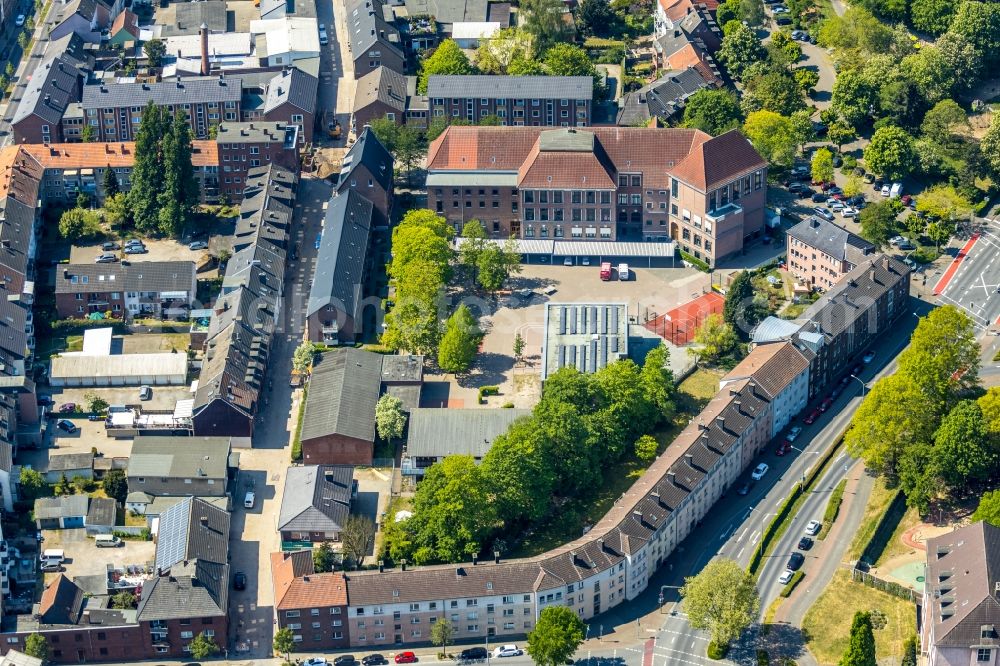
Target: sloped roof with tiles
[(718, 159), (51, 89), (297, 585), (61, 602), (120, 154), (317, 498), (773, 366), (831, 239)]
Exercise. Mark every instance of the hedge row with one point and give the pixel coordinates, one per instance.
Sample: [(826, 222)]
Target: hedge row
[(297, 440), (75, 326), (796, 577), (694, 261), (832, 508), (487, 390)]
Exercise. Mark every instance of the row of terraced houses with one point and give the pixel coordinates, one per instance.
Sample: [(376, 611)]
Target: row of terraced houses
[(615, 560)]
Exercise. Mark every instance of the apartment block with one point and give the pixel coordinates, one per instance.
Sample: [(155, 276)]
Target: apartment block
[(533, 101), (603, 183), (781, 370), (249, 145), (821, 253), (140, 288)]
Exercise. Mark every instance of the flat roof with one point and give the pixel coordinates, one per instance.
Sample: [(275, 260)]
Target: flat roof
[(586, 336), (436, 433), (122, 365)]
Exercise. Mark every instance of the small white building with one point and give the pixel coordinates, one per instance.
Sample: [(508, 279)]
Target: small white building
[(469, 34), (286, 40)]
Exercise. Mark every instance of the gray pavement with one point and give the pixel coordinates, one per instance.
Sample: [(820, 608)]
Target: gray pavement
[(975, 286)]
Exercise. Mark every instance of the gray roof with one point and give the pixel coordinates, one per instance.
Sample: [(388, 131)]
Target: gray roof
[(13, 329), (370, 152), (257, 131), (72, 49), (233, 369), (179, 457), (102, 511), (66, 506), (587, 336), (136, 276), (663, 98), (192, 529), (198, 589), (831, 239), (17, 219), (383, 85), (436, 433), (343, 255), (450, 11), (510, 87), (366, 27), (52, 88), (291, 86), (62, 462), (317, 498), (773, 328), (402, 368), (343, 391), (61, 602), (273, 9), (182, 91), (963, 572), (15, 658), (190, 16)]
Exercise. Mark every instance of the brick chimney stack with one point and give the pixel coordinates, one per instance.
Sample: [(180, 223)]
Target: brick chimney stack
[(204, 49)]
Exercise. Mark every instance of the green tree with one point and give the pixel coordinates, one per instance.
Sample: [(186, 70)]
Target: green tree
[(931, 16), (148, 170), (357, 537), (324, 559), (568, 60), (721, 599), (715, 338), (526, 67), (775, 90), (460, 341), (740, 311), (496, 263), (284, 642), (87, 134), (302, 357), (910, 652), (110, 181), (124, 600), (822, 165), (473, 243), (963, 450), (646, 448), (989, 508), (989, 405), (713, 110), (990, 145), (386, 131), (775, 137), (944, 202), (854, 97), (890, 152), (79, 224), (37, 646), (441, 633), (841, 132), (448, 58), (941, 122), (518, 346), (805, 78), (595, 18), (879, 222), (390, 419), (557, 634), (979, 22), (861, 649), (495, 55), (413, 323), (409, 148), (942, 360), (95, 403), (180, 191), (31, 484), (115, 485), (853, 186), (155, 49), (962, 58), (544, 21), (116, 211), (740, 48), (658, 383), (22, 40)]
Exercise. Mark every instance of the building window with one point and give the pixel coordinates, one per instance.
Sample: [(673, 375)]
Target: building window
[(983, 654)]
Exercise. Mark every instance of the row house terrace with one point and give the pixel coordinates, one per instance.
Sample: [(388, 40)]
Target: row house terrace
[(602, 183)]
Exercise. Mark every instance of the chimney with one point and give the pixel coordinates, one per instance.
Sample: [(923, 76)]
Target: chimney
[(722, 421), (672, 478), (739, 407), (203, 31), (475, 559), (204, 521), (496, 557), (871, 273), (402, 564), (381, 566), (689, 459)]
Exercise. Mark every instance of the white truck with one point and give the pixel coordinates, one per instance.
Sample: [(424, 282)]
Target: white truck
[(623, 272)]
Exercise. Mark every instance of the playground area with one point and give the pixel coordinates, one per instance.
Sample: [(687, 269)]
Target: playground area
[(905, 555)]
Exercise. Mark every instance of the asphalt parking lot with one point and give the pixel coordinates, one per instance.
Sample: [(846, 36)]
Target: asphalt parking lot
[(83, 558), (158, 250)]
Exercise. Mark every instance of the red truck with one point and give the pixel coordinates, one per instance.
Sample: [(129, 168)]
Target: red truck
[(606, 271)]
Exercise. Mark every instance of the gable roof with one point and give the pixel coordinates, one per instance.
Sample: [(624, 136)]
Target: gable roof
[(192, 529), (158, 276), (369, 152), (65, 506), (343, 391), (61, 602), (383, 85), (831, 239), (343, 254), (773, 366), (182, 91), (102, 511), (367, 27), (450, 11), (291, 86), (52, 87), (297, 585), (317, 498), (510, 87), (233, 369), (126, 21), (718, 159), (179, 457), (663, 98), (194, 589)]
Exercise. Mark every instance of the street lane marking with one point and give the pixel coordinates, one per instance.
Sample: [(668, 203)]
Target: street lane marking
[(743, 533), (740, 554), (753, 541)]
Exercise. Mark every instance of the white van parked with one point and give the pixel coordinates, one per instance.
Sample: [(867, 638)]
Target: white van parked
[(896, 191), (54, 555), (107, 541), (623, 272)]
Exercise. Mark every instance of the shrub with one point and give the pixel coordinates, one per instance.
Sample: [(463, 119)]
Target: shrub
[(697, 263), (762, 658), (507, 405), (796, 577), (487, 390), (297, 440), (833, 507), (716, 651)]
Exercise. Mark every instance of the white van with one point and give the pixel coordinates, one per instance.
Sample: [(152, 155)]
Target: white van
[(107, 541), (54, 555), (896, 190), (623, 273)]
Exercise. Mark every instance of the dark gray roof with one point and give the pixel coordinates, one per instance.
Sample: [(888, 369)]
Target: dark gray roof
[(102, 511), (233, 370), (258, 131), (851, 298), (13, 330), (510, 87), (291, 86), (343, 254), (831, 239), (198, 589), (136, 276), (366, 27), (72, 49), (17, 220), (63, 462), (179, 457), (182, 91), (343, 391), (61, 602), (436, 433), (190, 16), (449, 11), (66, 506), (317, 498), (383, 85), (265, 215), (963, 581), (192, 529), (370, 152), (52, 88), (663, 98), (259, 259), (402, 368)]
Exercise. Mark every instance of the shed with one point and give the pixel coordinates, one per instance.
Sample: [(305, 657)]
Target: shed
[(101, 515), (436, 433), (70, 464), (66, 512), (165, 369)]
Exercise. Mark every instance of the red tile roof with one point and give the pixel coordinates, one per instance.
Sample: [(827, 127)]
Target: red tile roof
[(98, 155), (20, 175), (126, 21), (297, 586), (717, 160), (678, 9), (689, 56)]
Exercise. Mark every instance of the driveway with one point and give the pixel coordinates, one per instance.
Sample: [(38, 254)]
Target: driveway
[(83, 558)]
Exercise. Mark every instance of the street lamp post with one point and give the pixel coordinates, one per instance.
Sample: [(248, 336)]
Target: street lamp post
[(662, 598), (863, 385)]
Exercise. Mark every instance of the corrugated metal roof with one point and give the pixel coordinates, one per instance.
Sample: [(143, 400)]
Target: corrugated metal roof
[(436, 433)]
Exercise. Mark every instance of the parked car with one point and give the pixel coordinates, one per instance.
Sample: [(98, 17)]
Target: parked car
[(744, 489), (471, 653), (885, 190), (568, 261), (66, 425), (249, 499), (786, 577), (508, 651), (239, 581), (779, 9), (793, 433), (345, 660), (824, 213), (67, 407), (379, 660), (19, 21), (818, 197), (110, 246), (869, 178), (106, 258), (315, 661), (135, 249), (405, 658), (805, 543), (813, 415), (835, 393), (813, 528), (868, 357), (848, 213), (783, 448), (783, 20), (145, 393), (323, 38), (134, 241), (896, 240), (835, 190), (826, 404), (795, 561), (906, 199), (319, 239), (198, 245), (759, 472)]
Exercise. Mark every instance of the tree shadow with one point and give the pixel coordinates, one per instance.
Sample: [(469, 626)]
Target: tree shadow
[(489, 369)]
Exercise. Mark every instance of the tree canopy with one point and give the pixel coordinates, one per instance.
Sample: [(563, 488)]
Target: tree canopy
[(714, 110), (544, 21), (890, 152), (879, 222), (460, 341), (777, 138), (722, 599), (448, 58), (740, 48), (556, 636), (861, 648)]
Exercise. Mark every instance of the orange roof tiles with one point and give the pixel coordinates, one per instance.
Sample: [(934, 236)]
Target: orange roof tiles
[(20, 175), (689, 56), (297, 586), (99, 155), (719, 159), (678, 9)]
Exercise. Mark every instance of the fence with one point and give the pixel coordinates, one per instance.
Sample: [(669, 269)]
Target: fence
[(895, 589)]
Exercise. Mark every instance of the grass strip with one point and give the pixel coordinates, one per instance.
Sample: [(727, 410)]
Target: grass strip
[(832, 509)]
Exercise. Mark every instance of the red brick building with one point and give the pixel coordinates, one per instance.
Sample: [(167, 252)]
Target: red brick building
[(248, 145), (313, 606)]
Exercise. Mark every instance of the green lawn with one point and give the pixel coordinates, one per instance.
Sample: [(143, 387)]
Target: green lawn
[(877, 505), (827, 625), (896, 547)]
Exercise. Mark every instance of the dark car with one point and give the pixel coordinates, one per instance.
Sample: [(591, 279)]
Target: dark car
[(813, 415), (783, 448), (878, 184), (795, 561), (744, 489), (825, 405), (472, 653), (783, 20), (818, 197), (240, 581), (44, 401), (345, 660), (856, 370), (374, 660), (66, 426), (805, 543), (67, 407)]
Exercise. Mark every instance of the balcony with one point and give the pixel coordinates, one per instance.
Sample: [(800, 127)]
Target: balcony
[(720, 214)]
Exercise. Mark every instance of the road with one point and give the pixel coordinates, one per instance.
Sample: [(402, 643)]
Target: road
[(25, 70), (733, 528), (975, 285)]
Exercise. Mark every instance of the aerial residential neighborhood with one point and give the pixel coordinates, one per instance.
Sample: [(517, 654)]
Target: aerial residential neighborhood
[(598, 332)]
